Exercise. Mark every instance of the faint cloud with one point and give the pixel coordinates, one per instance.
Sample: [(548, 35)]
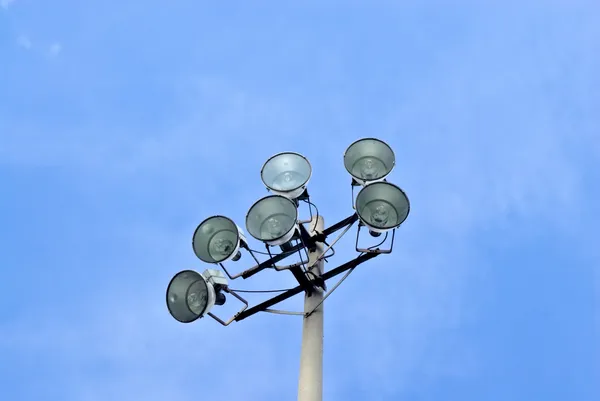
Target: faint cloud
[(55, 49), (23, 41), (6, 3)]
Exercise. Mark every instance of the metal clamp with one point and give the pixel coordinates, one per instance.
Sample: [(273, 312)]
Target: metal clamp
[(374, 249), (227, 290)]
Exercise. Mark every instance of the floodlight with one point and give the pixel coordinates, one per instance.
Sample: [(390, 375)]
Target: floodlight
[(382, 206), (272, 219), (369, 160), (286, 174), (218, 239), (189, 296)]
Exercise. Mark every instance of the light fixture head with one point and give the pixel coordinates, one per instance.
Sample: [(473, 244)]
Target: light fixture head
[(369, 160), (382, 206), (272, 220), (218, 239), (286, 174), (189, 296)]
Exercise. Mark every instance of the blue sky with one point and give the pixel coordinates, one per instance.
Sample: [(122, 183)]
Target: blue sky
[(123, 125)]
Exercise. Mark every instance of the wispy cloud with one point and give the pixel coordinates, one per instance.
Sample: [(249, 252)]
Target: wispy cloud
[(55, 49), (24, 42), (6, 3)]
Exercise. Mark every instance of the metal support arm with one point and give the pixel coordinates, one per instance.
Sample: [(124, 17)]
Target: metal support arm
[(319, 237), (297, 290), (227, 323)]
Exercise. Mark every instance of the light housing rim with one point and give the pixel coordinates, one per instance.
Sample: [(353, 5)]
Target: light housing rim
[(292, 193), (241, 238), (282, 238), (369, 224), (210, 299), (361, 181)]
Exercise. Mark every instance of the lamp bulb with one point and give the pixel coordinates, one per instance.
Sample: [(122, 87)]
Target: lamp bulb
[(222, 246), (274, 227), (380, 216), (197, 298), (369, 169)]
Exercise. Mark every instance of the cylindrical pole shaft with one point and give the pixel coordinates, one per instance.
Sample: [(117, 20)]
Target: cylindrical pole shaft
[(310, 385)]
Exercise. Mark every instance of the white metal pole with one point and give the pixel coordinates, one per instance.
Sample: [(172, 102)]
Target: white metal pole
[(310, 384)]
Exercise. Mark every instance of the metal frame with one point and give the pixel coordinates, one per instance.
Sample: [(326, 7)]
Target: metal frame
[(310, 274), (353, 184), (283, 312), (320, 237), (264, 306), (227, 323), (374, 250), (305, 284), (307, 314), (330, 246), (244, 245)]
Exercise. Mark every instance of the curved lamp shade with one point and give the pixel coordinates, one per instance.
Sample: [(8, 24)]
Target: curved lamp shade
[(189, 296), (272, 220), (217, 239), (286, 174), (382, 206), (369, 160)]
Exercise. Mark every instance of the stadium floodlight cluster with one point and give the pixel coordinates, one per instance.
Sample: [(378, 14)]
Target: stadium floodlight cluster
[(380, 206)]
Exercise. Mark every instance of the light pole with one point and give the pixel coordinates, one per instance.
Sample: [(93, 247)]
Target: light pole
[(310, 384), (379, 206)]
